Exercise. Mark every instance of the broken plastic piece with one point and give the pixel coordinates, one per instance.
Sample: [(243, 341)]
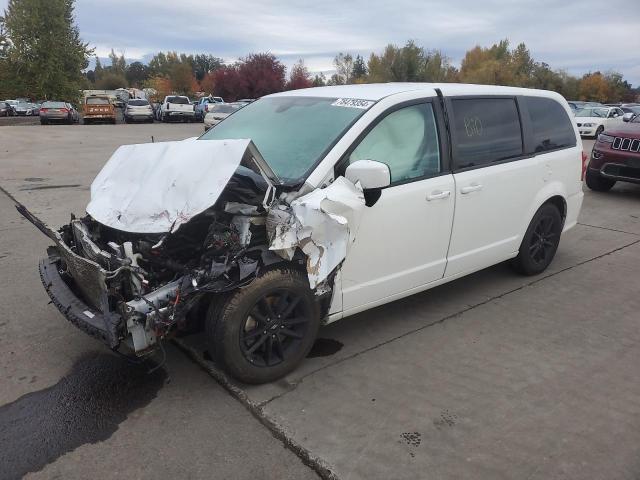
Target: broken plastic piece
[(323, 224)]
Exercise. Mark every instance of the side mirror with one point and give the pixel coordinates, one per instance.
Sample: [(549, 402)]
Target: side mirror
[(370, 174), (627, 117)]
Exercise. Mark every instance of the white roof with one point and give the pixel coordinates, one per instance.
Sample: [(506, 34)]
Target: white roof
[(377, 91)]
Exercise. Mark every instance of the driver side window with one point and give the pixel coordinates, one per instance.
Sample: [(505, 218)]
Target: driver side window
[(406, 140)]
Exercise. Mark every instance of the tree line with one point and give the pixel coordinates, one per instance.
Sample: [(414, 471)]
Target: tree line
[(43, 57)]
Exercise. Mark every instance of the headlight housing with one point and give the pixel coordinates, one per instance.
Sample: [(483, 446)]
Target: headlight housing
[(588, 124), (605, 138)]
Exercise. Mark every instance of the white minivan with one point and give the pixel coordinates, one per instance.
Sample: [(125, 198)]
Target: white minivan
[(309, 206)]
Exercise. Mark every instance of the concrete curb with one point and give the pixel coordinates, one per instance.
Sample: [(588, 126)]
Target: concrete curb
[(319, 465)]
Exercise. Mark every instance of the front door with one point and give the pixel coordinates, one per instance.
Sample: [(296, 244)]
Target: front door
[(402, 240)]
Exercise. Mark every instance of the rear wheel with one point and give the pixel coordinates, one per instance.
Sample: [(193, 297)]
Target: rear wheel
[(263, 331), (43, 122), (597, 182), (540, 241)]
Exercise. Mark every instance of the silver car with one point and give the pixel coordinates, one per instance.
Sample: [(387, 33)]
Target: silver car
[(58, 112), (26, 109), (138, 109)]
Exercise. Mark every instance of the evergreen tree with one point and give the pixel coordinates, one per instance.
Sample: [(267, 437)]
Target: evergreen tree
[(46, 56), (359, 69)]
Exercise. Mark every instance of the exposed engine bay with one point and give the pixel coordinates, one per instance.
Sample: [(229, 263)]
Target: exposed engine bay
[(143, 284)]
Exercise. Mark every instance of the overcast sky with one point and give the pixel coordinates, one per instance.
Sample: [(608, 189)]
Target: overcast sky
[(578, 36)]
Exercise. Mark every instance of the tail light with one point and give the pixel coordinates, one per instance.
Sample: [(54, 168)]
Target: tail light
[(44, 110), (584, 165), (65, 110), (206, 107)]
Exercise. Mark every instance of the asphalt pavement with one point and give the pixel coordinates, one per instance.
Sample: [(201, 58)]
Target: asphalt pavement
[(490, 376)]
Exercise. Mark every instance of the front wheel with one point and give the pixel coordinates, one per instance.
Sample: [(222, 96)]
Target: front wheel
[(597, 182), (263, 331), (540, 241), (599, 130)]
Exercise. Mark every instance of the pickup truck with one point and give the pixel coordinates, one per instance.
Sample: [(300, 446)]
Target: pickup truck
[(98, 108), (204, 105), (176, 107)]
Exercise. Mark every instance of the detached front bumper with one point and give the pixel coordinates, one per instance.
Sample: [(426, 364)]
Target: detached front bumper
[(86, 318)]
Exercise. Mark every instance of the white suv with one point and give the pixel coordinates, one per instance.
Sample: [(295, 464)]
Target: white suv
[(311, 205)]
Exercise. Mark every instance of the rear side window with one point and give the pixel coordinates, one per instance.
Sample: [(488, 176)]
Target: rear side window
[(486, 130), (97, 101), (550, 124)]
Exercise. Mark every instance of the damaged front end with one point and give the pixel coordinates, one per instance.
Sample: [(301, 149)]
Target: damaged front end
[(171, 228)]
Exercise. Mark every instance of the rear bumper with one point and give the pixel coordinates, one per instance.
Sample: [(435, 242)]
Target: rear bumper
[(175, 113), (86, 318)]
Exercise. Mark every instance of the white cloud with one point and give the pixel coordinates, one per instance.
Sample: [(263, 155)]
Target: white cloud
[(579, 36)]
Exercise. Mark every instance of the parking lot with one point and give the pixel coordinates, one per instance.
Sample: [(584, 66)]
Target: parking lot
[(491, 376)]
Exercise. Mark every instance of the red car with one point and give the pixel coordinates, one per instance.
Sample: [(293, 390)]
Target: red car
[(615, 156)]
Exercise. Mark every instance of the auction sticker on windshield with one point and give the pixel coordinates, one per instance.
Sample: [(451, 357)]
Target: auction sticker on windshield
[(353, 103)]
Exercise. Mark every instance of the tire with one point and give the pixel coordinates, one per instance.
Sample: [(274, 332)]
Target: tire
[(597, 182), (599, 130), (249, 340), (540, 241), (43, 122)]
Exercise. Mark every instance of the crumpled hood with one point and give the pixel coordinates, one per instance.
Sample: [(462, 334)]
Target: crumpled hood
[(156, 187)]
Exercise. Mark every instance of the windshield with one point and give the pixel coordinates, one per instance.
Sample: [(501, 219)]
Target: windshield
[(291, 133), (178, 100), (592, 112), (53, 105), (138, 103), (97, 101)]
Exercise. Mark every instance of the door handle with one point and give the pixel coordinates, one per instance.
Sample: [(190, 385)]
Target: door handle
[(438, 194), (474, 187)]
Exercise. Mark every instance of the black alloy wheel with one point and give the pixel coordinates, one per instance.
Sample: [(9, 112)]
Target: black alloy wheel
[(540, 241), (274, 328), (262, 331), (543, 241)]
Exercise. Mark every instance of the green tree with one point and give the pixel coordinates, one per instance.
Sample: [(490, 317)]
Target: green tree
[(204, 64), (46, 56), (98, 70), (110, 80), (319, 80), (410, 63), (344, 69), (181, 78), (136, 74), (359, 71), (118, 63)]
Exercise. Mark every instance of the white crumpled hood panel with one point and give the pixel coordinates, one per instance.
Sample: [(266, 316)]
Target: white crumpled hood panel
[(156, 187)]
